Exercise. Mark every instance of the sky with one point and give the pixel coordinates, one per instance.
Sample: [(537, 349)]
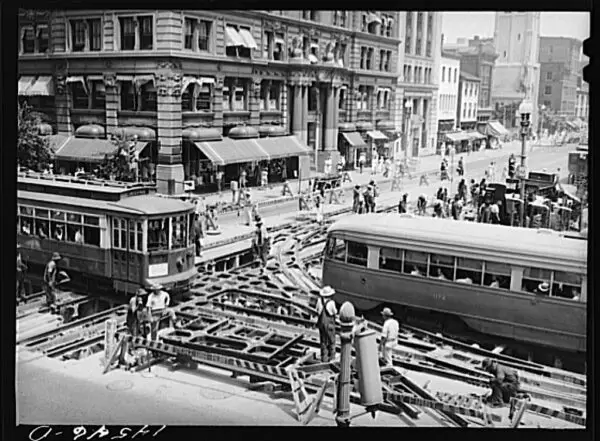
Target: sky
[(553, 24)]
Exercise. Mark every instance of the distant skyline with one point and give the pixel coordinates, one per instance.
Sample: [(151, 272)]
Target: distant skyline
[(553, 24)]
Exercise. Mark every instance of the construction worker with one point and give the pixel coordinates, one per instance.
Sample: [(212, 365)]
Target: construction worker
[(403, 205), (505, 383), (261, 241), (389, 336), (326, 323), (21, 268), (50, 274), (136, 304), (198, 234), (158, 304)]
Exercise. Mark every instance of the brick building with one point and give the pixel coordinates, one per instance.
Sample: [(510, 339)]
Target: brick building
[(559, 70), (213, 89)]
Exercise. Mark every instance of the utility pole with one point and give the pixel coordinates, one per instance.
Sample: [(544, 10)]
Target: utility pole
[(407, 129), (525, 110)]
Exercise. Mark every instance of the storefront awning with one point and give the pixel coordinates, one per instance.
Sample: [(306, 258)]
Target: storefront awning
[(283, 147), (78, 79), (189, 80), (43, 86), (233, 38), (495, 128), (457, 137), (377, 135), (24, 84), (476, 135), (229, 151), (89, 150), (354, 139), (248, 39)]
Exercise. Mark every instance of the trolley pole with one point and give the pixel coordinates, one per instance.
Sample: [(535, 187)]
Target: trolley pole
[(407, 128), (525, 109)]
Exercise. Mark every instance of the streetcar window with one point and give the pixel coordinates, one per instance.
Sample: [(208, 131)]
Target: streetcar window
[(132, 235), (74, 218), (191, 229), (567, 285), (91, 235), (43, 214), (468, 271), (58, 230), (441, 267), (58, 215), (42, 228), (91, 220), (357, 253), (140, 236), (390, 259), (26, 224), (533, 277), (497, 275), (158, 230), (415, 263), (336, 249), (27, 211), (179, 232)]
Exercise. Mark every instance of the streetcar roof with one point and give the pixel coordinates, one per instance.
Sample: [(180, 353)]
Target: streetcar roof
[(144, 205), (463, 235)]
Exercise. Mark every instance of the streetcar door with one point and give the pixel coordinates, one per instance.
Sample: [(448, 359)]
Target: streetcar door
[(120, 255), (134, 249)]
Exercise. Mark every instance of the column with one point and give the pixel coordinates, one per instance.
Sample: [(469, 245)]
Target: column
[(283, 103), (218, 102), (254, 104), (112, 101), (413, 44), (297, 111), (304, 113), (330, 125), (424, 40), (169, 172)]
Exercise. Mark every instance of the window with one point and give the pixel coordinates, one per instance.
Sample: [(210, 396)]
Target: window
[(91, 230), (339, 18), (204, 97), (25, 222), (98, 94), (341, 54), (409, 74), (27, 40), (158, 232), (567, 285), (240, 101), (342, 99), (390, 259), (387, 65), (226, 98), (43, 39), (388, 28), (363, 57), (313, 104), (455, 74), (441, 267), (468, 271), (78, 35), (532, 277), (363, 26), (188, 37), (148, 97), (146, 34), (119, 235), (127, 33), (179, 239), (357, 253), (443, 74), (336, 249), (95, 34), (274, 95), (497, 275), (548, 90), (79, 95), (235, 94), (549, 76), (128, 98), (381, 59), (279, 47), (370, 52), (415, 263)]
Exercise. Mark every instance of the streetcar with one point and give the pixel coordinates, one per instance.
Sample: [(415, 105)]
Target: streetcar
[(492, 277), (113, 237)]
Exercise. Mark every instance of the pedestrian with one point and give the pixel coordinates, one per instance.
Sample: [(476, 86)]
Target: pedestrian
[(339, 166), (495, 214), (460, 169), (388, 167), (219, 176), (375, 195), (50, 274), (198, 234), (21, 269), (455, 208), (233, 185), (462, 190), (136, 304), (248, 209), (443, 170), (264, 179), (243, 179), (505, 384), (328, 165), (367, 197), (485, 213), (422, 204), (356, 197), (361, 162), (260, 243), (158, 304), (319, 201), (326, 323), (403, 205), (389, 336), (285, 190)]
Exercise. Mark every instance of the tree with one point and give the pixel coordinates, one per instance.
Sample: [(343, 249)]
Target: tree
[(33, 150), (117, 165)]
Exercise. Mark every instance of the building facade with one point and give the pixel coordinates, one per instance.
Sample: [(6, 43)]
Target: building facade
[(582, 109), (421, 34), (447, 96), (516, 71), (468, 101), (192, 81), (559, 70)]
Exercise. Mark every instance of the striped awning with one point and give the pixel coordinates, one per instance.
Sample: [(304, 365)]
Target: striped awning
[(24, 83), (354, 139), (78, 79), (457, 137), (475, 135), (43, 86), (284, 147), (229, 151), (248, 39), (232, 37), (377, 135), (373, 18), (495, 128)]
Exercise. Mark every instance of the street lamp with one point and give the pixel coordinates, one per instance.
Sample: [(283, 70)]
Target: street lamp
[(407, 115), (541, 122), (525, 110)]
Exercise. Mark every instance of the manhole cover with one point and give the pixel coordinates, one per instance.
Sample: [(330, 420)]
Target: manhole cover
[(214, 394), (120, 385)]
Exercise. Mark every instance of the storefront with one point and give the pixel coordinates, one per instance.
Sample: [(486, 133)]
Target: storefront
[(476, 139), (350, 144), (363, 127), (444, 127), (460, 141), (495, 133)]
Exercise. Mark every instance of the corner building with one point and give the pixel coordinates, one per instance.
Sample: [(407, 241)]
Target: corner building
[(208, 90)]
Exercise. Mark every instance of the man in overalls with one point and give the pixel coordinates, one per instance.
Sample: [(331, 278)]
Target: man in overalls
[(261, 241), (50, 274), (326, 323), (504, 385)]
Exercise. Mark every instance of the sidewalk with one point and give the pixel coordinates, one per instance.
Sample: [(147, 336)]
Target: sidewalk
[(428, 164)]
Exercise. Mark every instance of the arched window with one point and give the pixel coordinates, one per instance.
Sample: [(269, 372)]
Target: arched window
[(187, 97)]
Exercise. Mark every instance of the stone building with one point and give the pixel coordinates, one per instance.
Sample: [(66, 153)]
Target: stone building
[(582, 109), (214, 90), (447, 96), (468, 101)]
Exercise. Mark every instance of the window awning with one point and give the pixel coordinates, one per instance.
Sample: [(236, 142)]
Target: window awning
[(475, 135), (24, 84), (78, 79), (283, 147), (229, 151), (232, 38), (43, 86), (280, 41), (140, 80), (314, 45), (377, 135), (89, 150), (312, 58), (495, 128), (457, 137), (207, 80), (189, 80), (248, 39), (354, 139), (373, 18)]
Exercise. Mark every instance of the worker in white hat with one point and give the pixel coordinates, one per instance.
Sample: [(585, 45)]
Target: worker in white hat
[(543, 288), (326, 323), (389, 335), (158, 306)]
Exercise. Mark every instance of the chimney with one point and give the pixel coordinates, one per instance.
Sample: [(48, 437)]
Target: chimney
[(476, 37)]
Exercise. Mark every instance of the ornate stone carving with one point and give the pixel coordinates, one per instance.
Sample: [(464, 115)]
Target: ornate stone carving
[(329, 55), (60, 78), (256, 85), (296, 48), (110, 79), (168, 83), (168, 65), (219, 82)]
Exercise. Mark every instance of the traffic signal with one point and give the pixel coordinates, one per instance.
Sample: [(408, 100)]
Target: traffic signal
[(511, 168)]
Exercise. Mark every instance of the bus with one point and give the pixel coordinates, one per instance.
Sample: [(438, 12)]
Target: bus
[(487, 275)]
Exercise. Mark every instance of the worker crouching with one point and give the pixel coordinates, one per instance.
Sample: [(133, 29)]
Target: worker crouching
[(326, 323), (505, 384)]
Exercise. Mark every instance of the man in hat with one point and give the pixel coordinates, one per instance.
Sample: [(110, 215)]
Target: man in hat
[(158, 304), (389, 336), (505, 383), (543, 288), (261, 241), (356, 199), (50, 274), (403, 205), (21, 268), (326, 323), (136, 304)]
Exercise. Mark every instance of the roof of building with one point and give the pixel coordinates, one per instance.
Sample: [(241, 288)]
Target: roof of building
[(467, 76), (450, 53)]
